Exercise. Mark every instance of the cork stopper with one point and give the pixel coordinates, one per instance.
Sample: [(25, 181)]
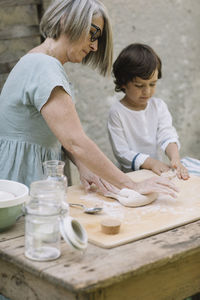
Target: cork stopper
[(110, 226)]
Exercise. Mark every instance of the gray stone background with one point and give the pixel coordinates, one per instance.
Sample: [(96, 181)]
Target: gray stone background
[(172, 28)]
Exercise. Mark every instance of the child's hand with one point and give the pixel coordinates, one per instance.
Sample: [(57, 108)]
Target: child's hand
[(181, 171), (155, 165)]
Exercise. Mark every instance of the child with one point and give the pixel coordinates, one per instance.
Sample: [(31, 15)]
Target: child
[(140, 124)]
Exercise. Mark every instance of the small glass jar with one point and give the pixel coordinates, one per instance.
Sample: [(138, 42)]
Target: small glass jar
[(46, 219), (54, 170)]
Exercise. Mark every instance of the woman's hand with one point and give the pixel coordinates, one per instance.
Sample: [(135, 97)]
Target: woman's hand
[(155, 165), (156, 184), (88, 179), (181, 171)]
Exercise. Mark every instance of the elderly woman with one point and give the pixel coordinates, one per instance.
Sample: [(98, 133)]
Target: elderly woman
[(37, 114)]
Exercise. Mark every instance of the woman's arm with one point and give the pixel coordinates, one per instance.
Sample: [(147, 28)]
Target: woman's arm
[(60, 114), (88, 178)]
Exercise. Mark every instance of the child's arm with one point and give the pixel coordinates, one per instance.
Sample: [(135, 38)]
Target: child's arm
[(155, 165), (173, 155), (168, 140)]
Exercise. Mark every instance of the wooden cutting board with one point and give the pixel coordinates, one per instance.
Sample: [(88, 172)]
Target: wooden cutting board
[(136, 223)]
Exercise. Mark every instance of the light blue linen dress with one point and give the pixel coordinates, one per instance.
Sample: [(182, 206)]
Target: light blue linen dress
[(25, 139)]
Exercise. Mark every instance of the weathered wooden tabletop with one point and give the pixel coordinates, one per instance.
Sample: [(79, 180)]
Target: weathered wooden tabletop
[(164, 266)]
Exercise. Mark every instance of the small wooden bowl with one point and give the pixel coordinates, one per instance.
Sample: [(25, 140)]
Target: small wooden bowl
[(110, 226)]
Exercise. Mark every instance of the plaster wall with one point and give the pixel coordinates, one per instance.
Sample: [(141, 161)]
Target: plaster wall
[(172, 28)]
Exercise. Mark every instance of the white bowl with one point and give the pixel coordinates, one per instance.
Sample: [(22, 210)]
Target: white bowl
[(11, 207)]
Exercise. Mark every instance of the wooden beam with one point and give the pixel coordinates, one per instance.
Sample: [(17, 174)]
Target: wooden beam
[(19, 31), (7, 67), (6, 3)]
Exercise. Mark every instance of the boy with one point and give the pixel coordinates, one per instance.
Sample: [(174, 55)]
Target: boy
[(139, 124)]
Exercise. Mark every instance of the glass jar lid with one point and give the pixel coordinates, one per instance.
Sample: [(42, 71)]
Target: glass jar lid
[(73, 233)]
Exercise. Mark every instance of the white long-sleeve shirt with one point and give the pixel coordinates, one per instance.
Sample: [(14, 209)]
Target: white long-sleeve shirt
[(136, 135)]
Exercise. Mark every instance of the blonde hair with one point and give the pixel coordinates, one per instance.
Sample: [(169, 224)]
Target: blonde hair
[(74, 17)]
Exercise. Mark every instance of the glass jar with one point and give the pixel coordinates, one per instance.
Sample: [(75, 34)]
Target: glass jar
[(54, 170), (42, 220), (46, 219)]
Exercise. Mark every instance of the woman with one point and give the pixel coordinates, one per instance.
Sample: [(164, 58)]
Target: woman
[(36, 109)]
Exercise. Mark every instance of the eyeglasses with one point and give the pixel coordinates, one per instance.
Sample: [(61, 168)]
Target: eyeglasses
[(95, 34)]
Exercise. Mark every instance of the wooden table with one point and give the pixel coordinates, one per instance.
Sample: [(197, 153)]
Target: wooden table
[(164, 266)]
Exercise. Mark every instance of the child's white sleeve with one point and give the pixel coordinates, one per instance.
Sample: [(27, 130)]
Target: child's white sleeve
[(128, 159), (166, 133)]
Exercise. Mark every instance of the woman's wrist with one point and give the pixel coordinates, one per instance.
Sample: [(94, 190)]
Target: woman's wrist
[(128, 183)]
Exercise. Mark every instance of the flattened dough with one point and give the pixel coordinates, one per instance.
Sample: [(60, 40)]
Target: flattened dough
[(131, 198)]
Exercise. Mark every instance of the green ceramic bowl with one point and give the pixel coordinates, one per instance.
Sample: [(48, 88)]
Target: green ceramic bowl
[(11, 207)]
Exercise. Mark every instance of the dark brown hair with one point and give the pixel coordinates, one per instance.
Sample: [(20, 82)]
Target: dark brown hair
[(136, 60)]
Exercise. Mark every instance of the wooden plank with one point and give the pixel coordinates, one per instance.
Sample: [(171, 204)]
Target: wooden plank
[(101, 268), (12, 50), (171, 259), (7, 66), (173, 281), (163, 284), (18, 15), (3, 78), (18, 284), (13, 250), (13, 246), (46, 3), (13, 232), (168, 265), (40, 11), (6, 3), (19, 31)]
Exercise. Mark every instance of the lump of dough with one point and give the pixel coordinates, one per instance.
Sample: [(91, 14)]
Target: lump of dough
[(131, 198)]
